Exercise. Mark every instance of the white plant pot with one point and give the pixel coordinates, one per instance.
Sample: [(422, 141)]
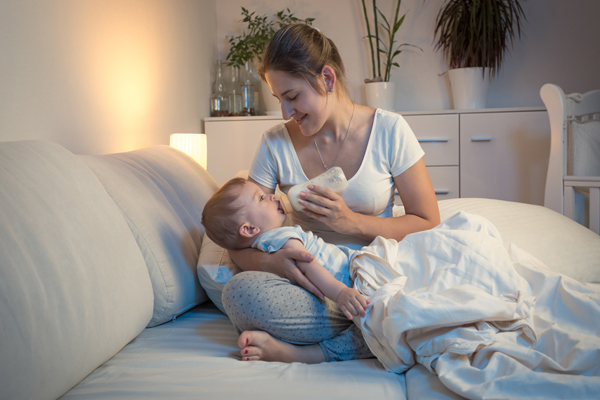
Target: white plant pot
[(272, 106), (469, 88), (381, 95)]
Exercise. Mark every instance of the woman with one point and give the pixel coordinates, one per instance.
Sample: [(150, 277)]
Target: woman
[(377, 152)]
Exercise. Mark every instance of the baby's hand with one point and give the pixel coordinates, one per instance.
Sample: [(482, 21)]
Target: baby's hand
[(351, 302)]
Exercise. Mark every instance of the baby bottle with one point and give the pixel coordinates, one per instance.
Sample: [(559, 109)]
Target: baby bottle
[(333, 179)]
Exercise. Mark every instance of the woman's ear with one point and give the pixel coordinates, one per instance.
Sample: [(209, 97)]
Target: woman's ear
[(248, 231), (329, 77)]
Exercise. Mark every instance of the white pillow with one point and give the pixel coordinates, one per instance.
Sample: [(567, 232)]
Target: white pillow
[(559, 242), (74, 288), (161, 192), (215, 268)]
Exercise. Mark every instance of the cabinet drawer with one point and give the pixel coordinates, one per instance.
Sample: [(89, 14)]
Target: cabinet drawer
[(445, 183), (438, 136)]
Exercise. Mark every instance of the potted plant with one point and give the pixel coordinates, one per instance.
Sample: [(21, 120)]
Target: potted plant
[(473, 37), (381, 93), (250, 46)]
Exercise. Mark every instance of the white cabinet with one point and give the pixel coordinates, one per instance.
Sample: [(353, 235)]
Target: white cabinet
[(504, 155), (439, 138), (492, 153), (232, 142)]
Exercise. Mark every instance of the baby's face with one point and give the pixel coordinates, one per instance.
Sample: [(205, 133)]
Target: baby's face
[(260, 209)]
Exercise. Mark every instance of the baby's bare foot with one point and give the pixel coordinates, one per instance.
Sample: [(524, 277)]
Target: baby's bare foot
[(258, 345)]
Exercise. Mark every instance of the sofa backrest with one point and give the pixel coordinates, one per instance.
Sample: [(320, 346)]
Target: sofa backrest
[(161, 192), (74, 287)]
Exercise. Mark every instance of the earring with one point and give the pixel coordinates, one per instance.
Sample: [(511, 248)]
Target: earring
[(331, 90)]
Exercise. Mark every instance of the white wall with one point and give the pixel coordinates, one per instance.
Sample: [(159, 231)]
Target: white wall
[(558, 45), (103, 76)]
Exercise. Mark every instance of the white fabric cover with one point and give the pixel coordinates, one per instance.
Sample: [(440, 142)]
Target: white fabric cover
[(215, 268), (196, 357), (561, 244), (161, 192), (424, 385), (445, 290), (74, 288), (465, 307), (563, 363)]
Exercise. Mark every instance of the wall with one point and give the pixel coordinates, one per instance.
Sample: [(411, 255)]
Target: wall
[(557, 46), (103, 76)]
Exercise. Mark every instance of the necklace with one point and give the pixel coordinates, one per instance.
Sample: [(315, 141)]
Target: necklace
[(343, 141)]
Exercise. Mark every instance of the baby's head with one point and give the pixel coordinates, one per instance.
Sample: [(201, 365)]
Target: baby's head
[(238, 212)]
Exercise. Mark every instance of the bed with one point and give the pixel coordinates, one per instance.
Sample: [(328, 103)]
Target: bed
[(196, 355), (109, 289)]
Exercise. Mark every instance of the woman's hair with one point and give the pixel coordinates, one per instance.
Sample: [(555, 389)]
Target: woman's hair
[(303, 51), (220, 216)]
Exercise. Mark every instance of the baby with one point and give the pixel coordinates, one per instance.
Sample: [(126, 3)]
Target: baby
[(240, 215)]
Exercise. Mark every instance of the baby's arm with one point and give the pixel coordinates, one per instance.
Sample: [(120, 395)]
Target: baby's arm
[(351, 302)]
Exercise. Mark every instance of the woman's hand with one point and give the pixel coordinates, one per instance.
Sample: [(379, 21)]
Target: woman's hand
[(283, 264), (352, 303), (328, 207)]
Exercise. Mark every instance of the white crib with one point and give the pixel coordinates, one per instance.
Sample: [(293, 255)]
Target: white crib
[(573, 180)]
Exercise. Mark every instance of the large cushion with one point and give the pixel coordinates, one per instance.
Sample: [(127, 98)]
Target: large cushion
[(74, 288), (161, 192), (559, 242)]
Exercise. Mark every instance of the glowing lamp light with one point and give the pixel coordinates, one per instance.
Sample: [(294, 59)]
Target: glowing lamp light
[(193, 144)]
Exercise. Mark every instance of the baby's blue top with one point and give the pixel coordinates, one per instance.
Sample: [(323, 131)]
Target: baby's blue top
[(335, 258)]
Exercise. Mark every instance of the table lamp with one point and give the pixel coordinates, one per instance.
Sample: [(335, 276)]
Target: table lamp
[(193, 144)]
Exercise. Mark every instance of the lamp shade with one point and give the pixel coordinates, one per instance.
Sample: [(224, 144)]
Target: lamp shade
[(193, 144)]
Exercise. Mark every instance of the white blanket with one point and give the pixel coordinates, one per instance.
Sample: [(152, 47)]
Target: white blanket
[(491, 323)]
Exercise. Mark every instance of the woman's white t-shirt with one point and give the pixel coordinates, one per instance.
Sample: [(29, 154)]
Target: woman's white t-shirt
[(391, 150)]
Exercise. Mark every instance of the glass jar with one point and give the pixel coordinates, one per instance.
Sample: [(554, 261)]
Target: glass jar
[(218, 101)]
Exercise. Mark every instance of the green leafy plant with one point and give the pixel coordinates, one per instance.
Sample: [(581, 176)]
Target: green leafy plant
[(476, 33), (382, 48), (252, 43)]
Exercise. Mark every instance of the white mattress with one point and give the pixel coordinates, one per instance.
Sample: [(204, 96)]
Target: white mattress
[(195, 357)]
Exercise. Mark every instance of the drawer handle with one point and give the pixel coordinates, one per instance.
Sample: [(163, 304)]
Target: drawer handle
[(432, 140), (442, 191), (483, 139)]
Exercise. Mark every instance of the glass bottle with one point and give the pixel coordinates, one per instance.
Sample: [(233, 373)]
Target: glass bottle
[(253, 73), (218, 100), (333, 179), (247, 89), (234, 96)]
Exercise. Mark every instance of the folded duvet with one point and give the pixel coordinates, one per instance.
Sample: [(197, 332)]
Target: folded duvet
[(491, 322)]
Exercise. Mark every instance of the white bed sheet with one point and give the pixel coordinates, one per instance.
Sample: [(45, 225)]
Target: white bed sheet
[(492, 323), (195, 357)]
